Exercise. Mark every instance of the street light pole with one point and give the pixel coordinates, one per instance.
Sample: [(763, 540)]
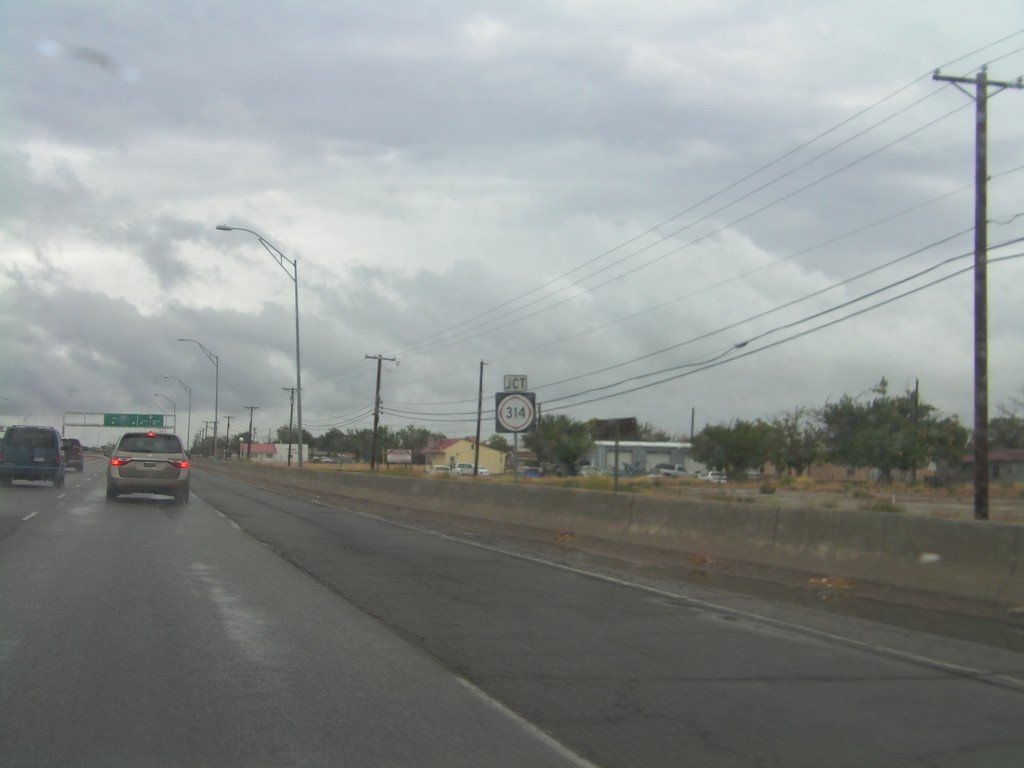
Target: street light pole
[(282, 261), (216, 388), (174, 407), (187, 388)]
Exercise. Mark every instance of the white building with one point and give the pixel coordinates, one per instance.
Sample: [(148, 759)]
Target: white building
[(641, 453)]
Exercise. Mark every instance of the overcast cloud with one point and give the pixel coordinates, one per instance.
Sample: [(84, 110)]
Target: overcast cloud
[(649, 208)]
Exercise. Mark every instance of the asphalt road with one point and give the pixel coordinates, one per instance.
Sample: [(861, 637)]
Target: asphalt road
[(251, 628)]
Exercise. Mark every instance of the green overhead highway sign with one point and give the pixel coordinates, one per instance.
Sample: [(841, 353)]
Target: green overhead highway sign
[(133, 420)]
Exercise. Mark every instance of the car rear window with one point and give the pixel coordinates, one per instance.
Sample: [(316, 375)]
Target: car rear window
[(29, 438), (150, 444)]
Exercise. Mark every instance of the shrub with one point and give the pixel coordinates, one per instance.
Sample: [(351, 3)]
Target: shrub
[(881, 505), (797, 482)]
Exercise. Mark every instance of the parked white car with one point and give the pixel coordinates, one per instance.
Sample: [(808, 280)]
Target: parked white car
[(713, 476), (466, 469), (669, 470), (441, 469)]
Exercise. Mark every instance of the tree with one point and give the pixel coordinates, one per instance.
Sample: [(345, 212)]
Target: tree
[(332, 441), (413, 438), (649, 432), (796, 441), (560, 441), (234, 444), (734, 448), (499, 443), (890, 433), (1007, 429), (286, 435)]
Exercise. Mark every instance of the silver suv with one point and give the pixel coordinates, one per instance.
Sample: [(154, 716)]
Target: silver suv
[(149, 462)]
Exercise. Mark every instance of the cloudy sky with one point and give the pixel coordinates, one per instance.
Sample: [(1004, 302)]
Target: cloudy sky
[(694, 210)]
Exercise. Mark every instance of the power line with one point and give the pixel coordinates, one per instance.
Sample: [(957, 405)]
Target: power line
[(413, 347), (747, 353), (477, 331), (652, 230)]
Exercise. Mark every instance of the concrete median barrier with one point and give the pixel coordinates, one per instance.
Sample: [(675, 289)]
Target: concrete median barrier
[(965, 559)]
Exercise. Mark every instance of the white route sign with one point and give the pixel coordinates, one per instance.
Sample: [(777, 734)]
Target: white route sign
[(514, 411), (515, 382)]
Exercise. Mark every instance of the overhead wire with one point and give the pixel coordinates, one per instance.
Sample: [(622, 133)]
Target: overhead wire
[(773, 310), (424, 344), (412, 346), (875, 152), (716, 359), (771, 345), (478, 332)]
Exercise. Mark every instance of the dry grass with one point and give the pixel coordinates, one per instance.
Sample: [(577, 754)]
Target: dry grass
[(951, 502)]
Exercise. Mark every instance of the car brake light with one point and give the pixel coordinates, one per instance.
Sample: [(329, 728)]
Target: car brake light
[(117, 461), (183, 464)]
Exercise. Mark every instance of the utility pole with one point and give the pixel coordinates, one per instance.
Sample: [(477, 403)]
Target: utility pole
[(251, 408), (206, 433), (227, 438), (479, 415), (376, 407), (980, 96), (913, 420), (291, 413)]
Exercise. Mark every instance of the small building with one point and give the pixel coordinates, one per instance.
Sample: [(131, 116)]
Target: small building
[(1005, 466), (273, 453), (462, 450), (642, 454)]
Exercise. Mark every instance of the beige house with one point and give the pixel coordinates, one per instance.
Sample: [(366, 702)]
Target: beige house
[(462, 450)]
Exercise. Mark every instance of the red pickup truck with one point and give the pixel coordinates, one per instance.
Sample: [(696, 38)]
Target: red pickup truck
[(73, 453)]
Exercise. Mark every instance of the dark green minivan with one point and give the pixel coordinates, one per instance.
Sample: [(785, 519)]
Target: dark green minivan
[(32, 453)]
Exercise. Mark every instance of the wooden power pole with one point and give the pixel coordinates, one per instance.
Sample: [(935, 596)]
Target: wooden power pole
[(981, 93)]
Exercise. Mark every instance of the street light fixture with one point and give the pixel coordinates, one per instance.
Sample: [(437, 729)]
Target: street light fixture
[(174, 407), (284, 262), (187, 388), (216, 389)]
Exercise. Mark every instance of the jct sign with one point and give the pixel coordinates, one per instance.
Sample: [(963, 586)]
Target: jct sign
[(514, 411), (515, 382)]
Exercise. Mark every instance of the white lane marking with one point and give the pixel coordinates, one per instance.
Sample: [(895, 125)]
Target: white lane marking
[(546, 738), (29, 516), (231, 522)]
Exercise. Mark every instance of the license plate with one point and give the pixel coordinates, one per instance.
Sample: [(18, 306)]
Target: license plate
[(40, 459), (149, 465)]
